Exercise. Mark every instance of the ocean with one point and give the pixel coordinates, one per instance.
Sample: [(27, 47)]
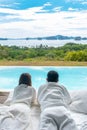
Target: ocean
[(34, 43)]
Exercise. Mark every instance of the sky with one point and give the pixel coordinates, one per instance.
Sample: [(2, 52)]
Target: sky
[(38, 18)]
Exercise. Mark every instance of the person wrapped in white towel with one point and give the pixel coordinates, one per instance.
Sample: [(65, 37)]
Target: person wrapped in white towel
[(54, 99), (16, 114)]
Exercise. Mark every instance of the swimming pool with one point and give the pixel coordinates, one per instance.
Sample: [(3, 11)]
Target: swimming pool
[(74, 78)]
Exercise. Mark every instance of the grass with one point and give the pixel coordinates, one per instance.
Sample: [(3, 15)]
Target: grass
[(41, 63)]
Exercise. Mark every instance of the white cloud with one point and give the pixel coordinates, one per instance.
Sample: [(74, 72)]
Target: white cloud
[(47, 4), (16, 3), (72, 9), (56, 9), (4, 5), (7, 10), (43, 24)]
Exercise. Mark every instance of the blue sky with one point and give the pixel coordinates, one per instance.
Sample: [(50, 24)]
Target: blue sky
[(35, 18)]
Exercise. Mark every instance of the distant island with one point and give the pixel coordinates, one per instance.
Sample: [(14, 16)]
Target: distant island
[(3, 38), (56, 37)]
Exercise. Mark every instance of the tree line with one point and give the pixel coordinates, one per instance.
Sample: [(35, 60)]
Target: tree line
[(68, 52)]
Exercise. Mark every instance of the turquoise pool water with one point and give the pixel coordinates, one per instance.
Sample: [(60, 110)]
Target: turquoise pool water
[(74, 78)]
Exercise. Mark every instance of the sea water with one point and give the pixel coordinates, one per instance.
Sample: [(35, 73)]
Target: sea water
[(34, 43), (73, 78)]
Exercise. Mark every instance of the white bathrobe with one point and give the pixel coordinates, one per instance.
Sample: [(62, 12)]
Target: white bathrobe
[(16, 116), (54, 100)]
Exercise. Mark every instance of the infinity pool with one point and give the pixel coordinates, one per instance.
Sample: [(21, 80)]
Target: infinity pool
[(74, 78)]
